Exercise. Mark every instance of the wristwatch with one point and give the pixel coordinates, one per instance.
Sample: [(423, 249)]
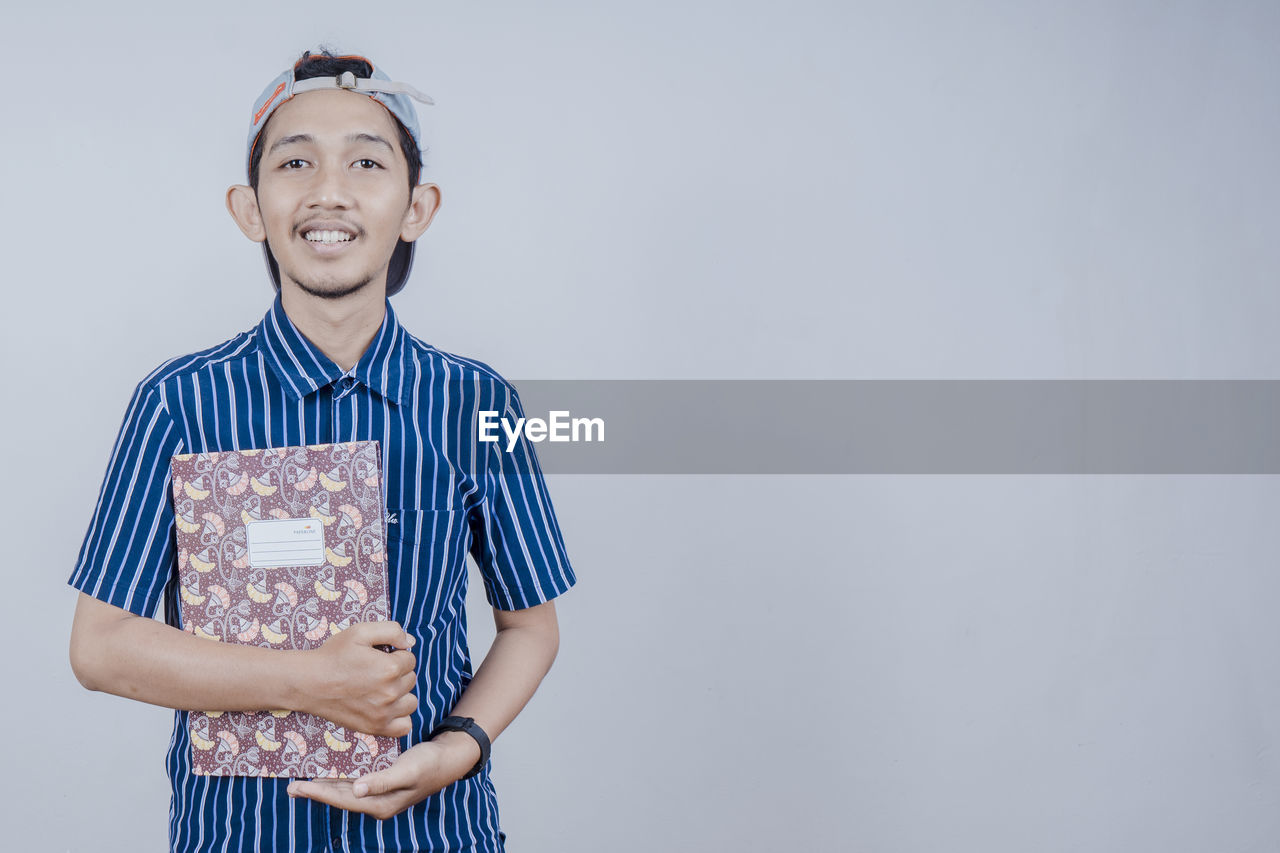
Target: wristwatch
[(468, 725)]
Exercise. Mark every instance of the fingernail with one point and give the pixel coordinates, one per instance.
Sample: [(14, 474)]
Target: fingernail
[(359, 789)]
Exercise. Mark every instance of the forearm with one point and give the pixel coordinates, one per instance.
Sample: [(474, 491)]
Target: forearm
[(518, 660), (140, 658)]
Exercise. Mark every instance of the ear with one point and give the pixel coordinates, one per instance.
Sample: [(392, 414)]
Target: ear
[(424, 201), (242, 204)]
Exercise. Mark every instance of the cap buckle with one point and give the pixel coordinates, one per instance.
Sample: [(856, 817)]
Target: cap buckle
[(346, 80)]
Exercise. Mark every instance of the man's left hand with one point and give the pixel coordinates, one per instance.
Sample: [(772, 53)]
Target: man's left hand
[(418, 773)]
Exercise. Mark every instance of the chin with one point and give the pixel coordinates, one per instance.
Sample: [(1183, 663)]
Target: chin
[(330, 288)]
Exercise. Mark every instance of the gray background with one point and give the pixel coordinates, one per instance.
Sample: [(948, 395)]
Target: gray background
[(725, 190)]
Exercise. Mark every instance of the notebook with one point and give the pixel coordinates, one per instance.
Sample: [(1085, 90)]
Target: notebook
[(281, 548)]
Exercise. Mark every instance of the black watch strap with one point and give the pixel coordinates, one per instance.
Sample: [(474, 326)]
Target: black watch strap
[(468, 725)]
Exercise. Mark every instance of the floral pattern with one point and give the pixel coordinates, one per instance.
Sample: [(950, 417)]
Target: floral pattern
[(225, 599)]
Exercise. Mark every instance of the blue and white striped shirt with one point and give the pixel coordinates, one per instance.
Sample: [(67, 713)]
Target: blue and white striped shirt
[(448, 494)]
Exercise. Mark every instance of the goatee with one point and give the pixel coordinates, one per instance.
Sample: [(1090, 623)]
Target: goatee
[(338, 292)]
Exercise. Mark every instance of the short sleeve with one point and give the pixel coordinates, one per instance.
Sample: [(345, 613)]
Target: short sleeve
[(516, 538), (127, 555)]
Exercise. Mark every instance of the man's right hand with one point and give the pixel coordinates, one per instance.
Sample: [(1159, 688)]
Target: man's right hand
[(355, 684), (346, 680)]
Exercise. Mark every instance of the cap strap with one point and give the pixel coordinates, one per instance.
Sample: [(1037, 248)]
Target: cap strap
[(347, 80)]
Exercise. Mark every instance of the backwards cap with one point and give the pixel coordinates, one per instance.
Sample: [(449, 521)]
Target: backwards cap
[(394, 96)]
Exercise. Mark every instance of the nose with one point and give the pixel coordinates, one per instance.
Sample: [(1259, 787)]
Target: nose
[(329, 187)]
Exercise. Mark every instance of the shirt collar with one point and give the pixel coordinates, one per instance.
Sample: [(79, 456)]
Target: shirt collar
[(303, 369)]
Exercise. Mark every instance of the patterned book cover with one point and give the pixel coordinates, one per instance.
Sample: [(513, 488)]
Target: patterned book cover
[(281, 548)]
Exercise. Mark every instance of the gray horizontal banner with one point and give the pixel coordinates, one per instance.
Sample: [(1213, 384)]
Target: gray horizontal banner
[(902, 427)]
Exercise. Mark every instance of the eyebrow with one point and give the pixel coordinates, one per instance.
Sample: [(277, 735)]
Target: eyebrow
[(297, 138)]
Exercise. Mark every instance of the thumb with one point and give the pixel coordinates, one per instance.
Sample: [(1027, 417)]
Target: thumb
[(393, 778)]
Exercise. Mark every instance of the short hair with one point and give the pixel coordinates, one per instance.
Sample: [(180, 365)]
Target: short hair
[(327, 64)]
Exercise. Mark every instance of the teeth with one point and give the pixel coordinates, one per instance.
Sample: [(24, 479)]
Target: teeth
[(327, 236)]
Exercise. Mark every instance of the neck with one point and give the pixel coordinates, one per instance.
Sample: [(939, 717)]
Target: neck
[(343, 328)]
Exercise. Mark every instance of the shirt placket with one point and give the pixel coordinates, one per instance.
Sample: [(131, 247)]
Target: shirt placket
[(342, 425), (343, 420), (333, 829)]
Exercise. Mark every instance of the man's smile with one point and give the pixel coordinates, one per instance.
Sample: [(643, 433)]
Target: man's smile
[(328, 238)]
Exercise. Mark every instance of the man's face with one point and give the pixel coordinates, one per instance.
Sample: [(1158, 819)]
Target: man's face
[(333, 191)]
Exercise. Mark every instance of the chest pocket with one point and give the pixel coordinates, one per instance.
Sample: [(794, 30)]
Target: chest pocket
[(427, 567)]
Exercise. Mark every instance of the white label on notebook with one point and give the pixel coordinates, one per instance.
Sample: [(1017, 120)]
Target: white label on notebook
[(285, 542)]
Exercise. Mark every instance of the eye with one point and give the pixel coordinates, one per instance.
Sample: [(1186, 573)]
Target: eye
[(288, 163), (365, 163)]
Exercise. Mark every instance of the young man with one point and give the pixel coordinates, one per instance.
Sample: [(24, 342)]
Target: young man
[(335, 198)]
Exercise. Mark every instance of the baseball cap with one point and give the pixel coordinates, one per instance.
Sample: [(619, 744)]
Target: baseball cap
[(398, 98)]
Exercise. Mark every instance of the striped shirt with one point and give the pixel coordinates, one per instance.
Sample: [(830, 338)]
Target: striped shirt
[(447, 493)]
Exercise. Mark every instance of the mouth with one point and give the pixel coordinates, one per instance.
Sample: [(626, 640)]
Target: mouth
[(328, 238)]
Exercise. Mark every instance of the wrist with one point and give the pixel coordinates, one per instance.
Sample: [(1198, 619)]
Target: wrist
[(470, 728), (460, 752), (297, 680)]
